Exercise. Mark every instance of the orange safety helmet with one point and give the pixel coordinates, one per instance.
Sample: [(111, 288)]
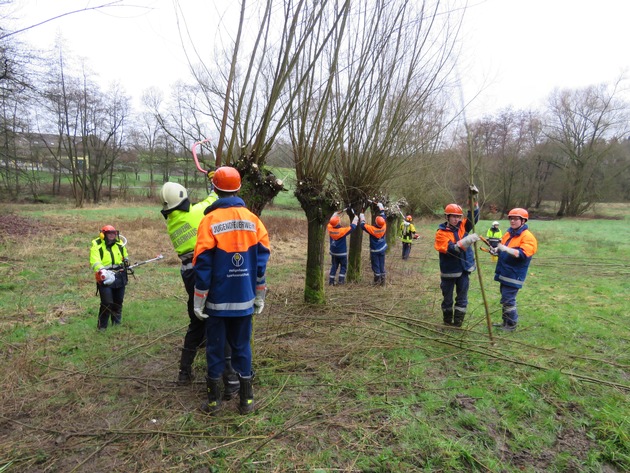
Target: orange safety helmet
[(380, 221), (226, 179), (334, 220), (453, 209), (409, 218), (518, 212), (107, 229)]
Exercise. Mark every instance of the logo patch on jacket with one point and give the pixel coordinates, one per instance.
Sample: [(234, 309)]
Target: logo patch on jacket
[(238, 260)]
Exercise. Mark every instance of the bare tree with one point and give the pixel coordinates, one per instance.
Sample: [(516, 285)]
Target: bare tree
[(582, 122), (17, 75), (398, 63), (148, 134), (363, 113), (88, 125), (500, 147), (316, 133), (251, 105), (104, 135)]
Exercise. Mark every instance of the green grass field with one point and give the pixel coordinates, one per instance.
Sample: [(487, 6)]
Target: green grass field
[(367, 382)]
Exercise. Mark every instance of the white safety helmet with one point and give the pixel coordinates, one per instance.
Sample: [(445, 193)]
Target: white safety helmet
[(172, 195), (495, 224)]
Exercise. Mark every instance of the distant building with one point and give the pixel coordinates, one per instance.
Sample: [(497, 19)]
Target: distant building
[(41, 150)]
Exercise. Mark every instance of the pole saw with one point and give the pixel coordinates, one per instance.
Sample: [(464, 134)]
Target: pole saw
[(107, 276), (194, 153), (208, 173), (135, 265)]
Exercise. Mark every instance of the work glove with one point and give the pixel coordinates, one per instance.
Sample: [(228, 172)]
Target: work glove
[(126, 262), (362, 217), (199, 304), (355, 220), (473, 189), (105, 276), (380, 206), (210, 174), (465, 242), (259, 300), (511, 251), (493, 251)]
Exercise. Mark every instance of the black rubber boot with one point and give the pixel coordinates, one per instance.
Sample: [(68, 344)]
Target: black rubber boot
[(214, 396), (458, 318), (230, 380), (448, 317), (246, 393), (383, 280), (186, 376), (377, 280)]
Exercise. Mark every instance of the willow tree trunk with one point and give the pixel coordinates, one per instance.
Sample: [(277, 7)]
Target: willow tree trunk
[(354, 256), (314, 284), (393, 224)]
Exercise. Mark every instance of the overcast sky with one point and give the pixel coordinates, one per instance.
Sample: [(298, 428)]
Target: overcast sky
[(515, 51)]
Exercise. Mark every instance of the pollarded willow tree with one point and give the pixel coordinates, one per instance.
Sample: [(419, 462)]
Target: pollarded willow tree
[(397, 69), (364, 113), (246, 90), (315, 134)]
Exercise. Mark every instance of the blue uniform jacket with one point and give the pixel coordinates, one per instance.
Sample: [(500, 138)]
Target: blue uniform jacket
[(338, 234), (453, 262), (378, 242), (512, 271), (231, 257)]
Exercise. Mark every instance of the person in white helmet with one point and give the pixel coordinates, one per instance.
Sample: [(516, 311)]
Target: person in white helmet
[(494, 234), (182, 222)]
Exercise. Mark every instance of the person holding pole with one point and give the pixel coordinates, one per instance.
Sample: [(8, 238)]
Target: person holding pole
[(182, 222), (109, 260), (457, 261)]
